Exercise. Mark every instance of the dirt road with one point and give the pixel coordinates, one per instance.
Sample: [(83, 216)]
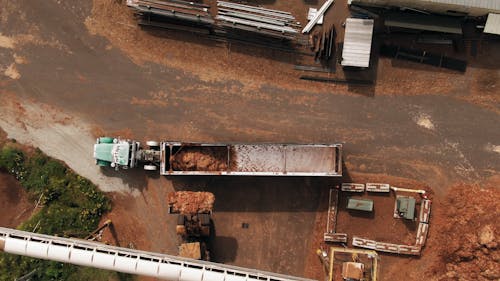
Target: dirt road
[(441, 137), (61, 136)]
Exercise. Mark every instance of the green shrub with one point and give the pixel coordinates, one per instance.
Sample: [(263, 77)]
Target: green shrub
[(71, 206), (12, 160)]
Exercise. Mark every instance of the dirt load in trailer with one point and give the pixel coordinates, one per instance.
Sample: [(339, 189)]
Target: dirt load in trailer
[(251, 159)]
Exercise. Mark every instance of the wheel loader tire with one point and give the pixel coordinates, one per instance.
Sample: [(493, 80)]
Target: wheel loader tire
[(204, 219), (181, 219), (205, 230)]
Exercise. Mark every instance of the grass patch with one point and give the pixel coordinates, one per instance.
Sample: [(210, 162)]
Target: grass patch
[(71, 206)]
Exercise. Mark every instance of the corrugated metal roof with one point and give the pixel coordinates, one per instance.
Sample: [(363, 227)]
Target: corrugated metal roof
[(357, 42), (486, 4), (493, 24), (493, 5), (424, 22)]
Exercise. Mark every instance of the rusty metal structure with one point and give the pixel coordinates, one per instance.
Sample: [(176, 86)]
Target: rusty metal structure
[(370, 264), (228, 22), (268, 22), (330, 234)]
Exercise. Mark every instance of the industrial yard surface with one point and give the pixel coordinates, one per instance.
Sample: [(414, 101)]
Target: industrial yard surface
[(72, 71)]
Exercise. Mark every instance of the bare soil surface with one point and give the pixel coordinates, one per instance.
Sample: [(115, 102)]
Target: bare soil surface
[(73, 71), (143, 222), (379, 225), (368, 224), (226, 61), (468, 247), (462, 243), (59, 135), (16, 206)]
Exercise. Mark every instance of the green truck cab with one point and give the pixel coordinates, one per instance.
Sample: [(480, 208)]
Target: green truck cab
[(115, 152)]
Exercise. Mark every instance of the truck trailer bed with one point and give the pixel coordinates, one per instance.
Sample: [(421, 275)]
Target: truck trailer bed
[(251, 159)]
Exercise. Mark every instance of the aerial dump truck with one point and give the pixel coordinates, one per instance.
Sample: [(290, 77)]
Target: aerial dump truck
[(243, 159)]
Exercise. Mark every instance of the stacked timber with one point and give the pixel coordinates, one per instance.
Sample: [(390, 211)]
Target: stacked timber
[(267, 22)]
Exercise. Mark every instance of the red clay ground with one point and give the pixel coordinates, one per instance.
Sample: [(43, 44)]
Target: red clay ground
[(115, 21), (368, 224), (462, 242), (16, 206), (468, 241), (14, 201), (142, 222)]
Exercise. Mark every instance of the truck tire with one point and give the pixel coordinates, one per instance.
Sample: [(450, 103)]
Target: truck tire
[(181, 219), (105, 140), (150, 167), (204, 219)]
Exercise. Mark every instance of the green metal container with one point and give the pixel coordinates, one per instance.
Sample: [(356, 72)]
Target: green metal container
[(406, 207), (360, 204)]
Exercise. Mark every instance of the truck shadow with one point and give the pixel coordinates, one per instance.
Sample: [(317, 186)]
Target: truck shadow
[(224, 249), (133, 178), (260, 194)]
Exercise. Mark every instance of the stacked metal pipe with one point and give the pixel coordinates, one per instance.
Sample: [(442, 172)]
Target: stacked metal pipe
[(158, 12), (233, 22), (259, 20)]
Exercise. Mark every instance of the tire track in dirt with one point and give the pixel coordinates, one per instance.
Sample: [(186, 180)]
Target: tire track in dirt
[(59, 135)]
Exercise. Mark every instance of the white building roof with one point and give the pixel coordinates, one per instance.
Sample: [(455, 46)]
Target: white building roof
[(493, 24), (471, 7), (486, 4), (357, 42)]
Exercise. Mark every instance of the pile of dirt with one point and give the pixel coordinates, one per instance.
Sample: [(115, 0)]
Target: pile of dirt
[(200, 159), (189, 202), (468, 239)]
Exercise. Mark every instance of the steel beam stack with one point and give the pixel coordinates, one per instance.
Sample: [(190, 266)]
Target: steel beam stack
[(266, 22), (167, 13), (233, 23)]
